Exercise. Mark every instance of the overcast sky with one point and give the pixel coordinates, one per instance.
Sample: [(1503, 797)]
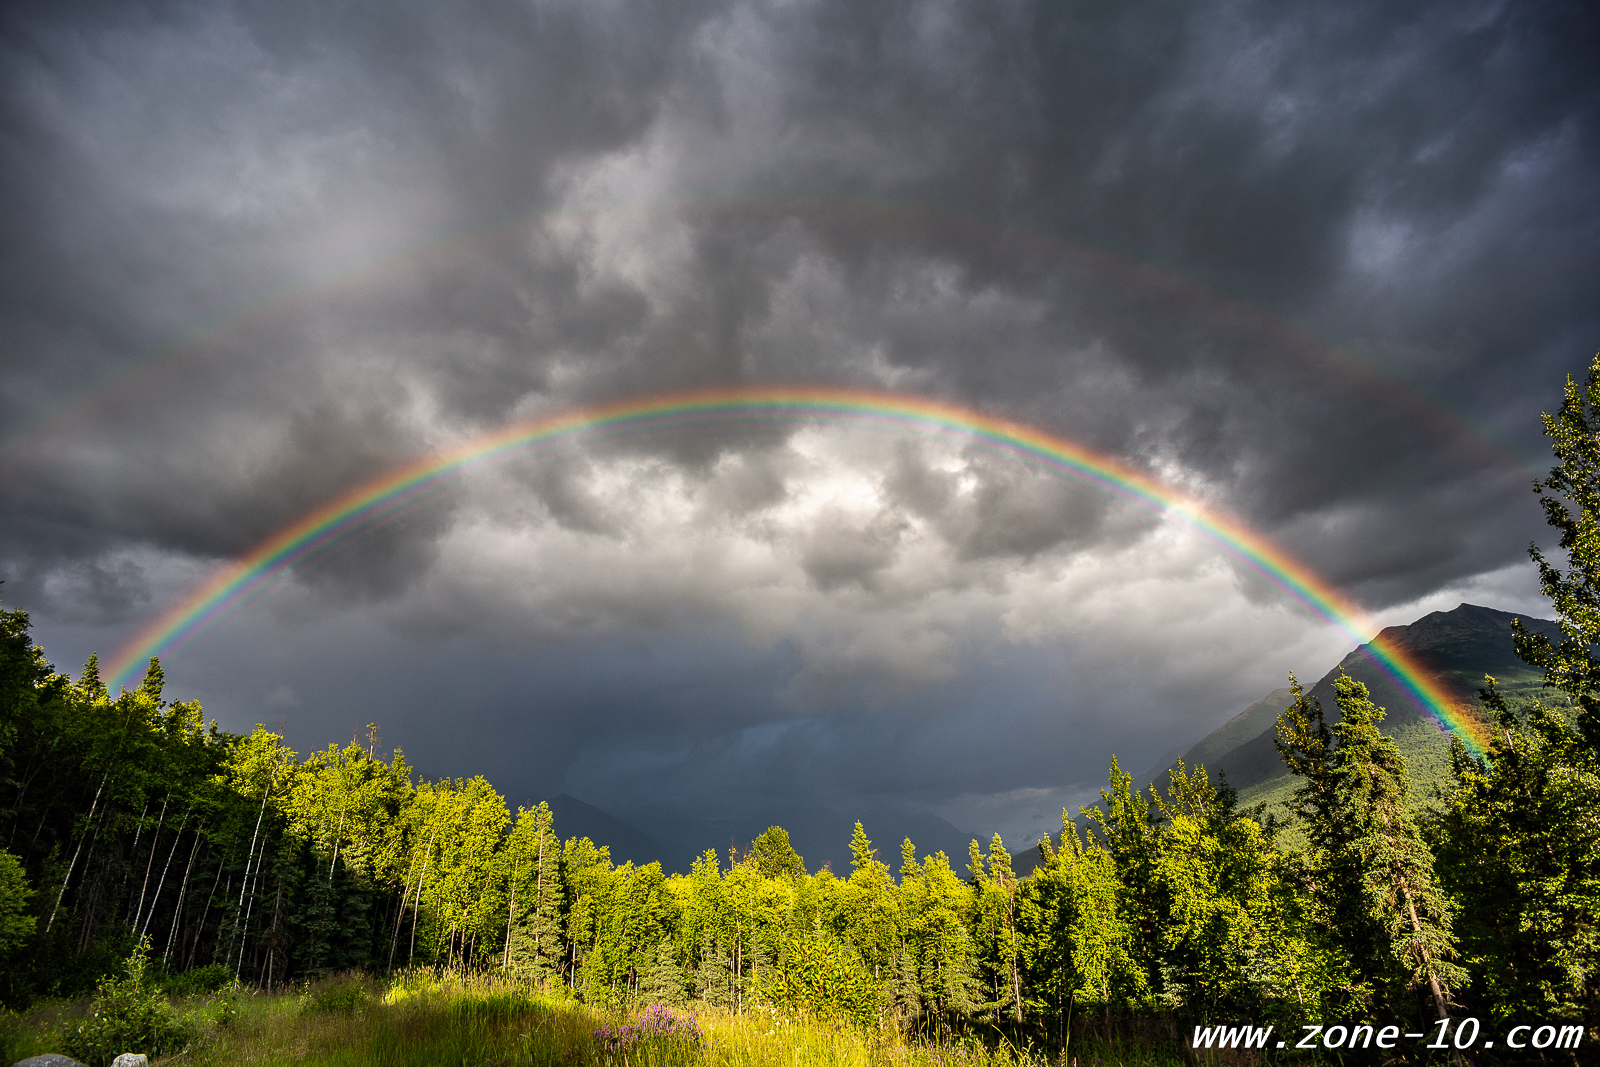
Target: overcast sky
[(1321, 265)]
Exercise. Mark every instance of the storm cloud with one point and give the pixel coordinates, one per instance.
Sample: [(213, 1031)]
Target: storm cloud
[(1319, 266)]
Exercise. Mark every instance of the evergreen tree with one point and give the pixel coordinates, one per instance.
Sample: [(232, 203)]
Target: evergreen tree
[(1376, 884), (1519, 848), (774, 857), (533, 944), (154, 680), (1518, 842), (663, 982), (1570, 495), (1126, 826), (870, 919)]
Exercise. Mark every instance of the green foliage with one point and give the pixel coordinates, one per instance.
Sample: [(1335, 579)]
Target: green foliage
[(16, 925), (1518, 843), (869, 908), (1570, 495), (935, 975), (1519, 850), (630, 925), (1128, 830), (1237, 937), (336, 996), (997, 951), (663, 982), (818, 976), (1377, 893), (1078, 941), (128, 1015), (192, 983), (773, 856), (533, 922)]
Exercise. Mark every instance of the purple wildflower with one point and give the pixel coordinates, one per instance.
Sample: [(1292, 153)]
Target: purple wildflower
[(657, 1022)]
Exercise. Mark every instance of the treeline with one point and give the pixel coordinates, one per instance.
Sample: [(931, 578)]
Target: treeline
[(129, 818), (126, 817)]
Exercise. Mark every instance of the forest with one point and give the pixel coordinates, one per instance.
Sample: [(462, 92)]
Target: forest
[(127, 819)]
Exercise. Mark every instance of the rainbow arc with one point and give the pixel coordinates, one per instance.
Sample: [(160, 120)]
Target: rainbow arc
[(347, 514)]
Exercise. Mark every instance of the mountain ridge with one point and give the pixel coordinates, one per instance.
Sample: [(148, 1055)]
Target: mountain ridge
[(1459, 646)]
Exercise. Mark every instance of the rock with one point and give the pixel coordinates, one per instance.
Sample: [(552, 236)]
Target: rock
[(49, 1059), (130, 1059)]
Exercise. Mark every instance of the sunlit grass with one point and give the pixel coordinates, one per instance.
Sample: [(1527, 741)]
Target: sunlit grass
[(433, 1020)]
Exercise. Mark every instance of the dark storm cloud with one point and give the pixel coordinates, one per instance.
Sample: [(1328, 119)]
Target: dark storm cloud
[(994, 509), (1320, 264)]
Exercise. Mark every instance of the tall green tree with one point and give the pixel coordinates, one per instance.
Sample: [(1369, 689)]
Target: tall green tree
[(533, 933), (869, 918), (1237, 937), (1518, 841), (1126, 824), (993, 922), (774, 857), (936, 974), (1519, 850), (1570, 496), (1078, 942), (1375, 874)]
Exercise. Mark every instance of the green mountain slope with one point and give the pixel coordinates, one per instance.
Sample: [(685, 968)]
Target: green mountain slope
[(1230, 735), (1459, 646)]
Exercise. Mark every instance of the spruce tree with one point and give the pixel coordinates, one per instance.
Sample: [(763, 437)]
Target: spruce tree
[(663, 981), (1518, 839), (773, 856), (1376, 885), (1519, 847), (533, 943), (871, 916), (1570, 495)]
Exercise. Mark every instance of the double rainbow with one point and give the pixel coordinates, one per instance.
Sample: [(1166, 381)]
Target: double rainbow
[(347, 513)]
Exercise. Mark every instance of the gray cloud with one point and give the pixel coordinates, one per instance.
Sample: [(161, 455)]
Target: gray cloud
[(1319, 266)]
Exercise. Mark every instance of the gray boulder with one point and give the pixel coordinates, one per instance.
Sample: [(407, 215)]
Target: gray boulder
[(130, 1059), (49, 1059)]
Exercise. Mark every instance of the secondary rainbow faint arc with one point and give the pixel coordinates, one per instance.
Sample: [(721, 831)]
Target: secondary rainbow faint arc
[(123, 374), (212, 597)]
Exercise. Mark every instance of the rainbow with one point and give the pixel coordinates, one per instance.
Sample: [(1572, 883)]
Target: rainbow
[(345, 515)]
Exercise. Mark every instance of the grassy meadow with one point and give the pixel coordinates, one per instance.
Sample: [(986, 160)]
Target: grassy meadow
[(424, 1019)]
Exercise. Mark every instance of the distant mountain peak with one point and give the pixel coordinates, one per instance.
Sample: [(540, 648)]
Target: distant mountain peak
[(1458, 646), (576, 818), (1469, 639)]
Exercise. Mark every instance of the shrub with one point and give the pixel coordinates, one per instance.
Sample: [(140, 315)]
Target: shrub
[(816, 976), (200, 980), (127, 1015), (15, 1041), (335, 996), (16, 925)]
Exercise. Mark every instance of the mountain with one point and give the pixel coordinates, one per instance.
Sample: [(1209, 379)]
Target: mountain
[(574, 818), (818, 831), (1249, 723), (1460, 646)]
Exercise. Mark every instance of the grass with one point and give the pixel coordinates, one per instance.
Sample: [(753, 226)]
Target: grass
[(424, 1020)]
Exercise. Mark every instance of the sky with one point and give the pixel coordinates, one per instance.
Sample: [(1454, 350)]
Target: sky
[(1319, 266)]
